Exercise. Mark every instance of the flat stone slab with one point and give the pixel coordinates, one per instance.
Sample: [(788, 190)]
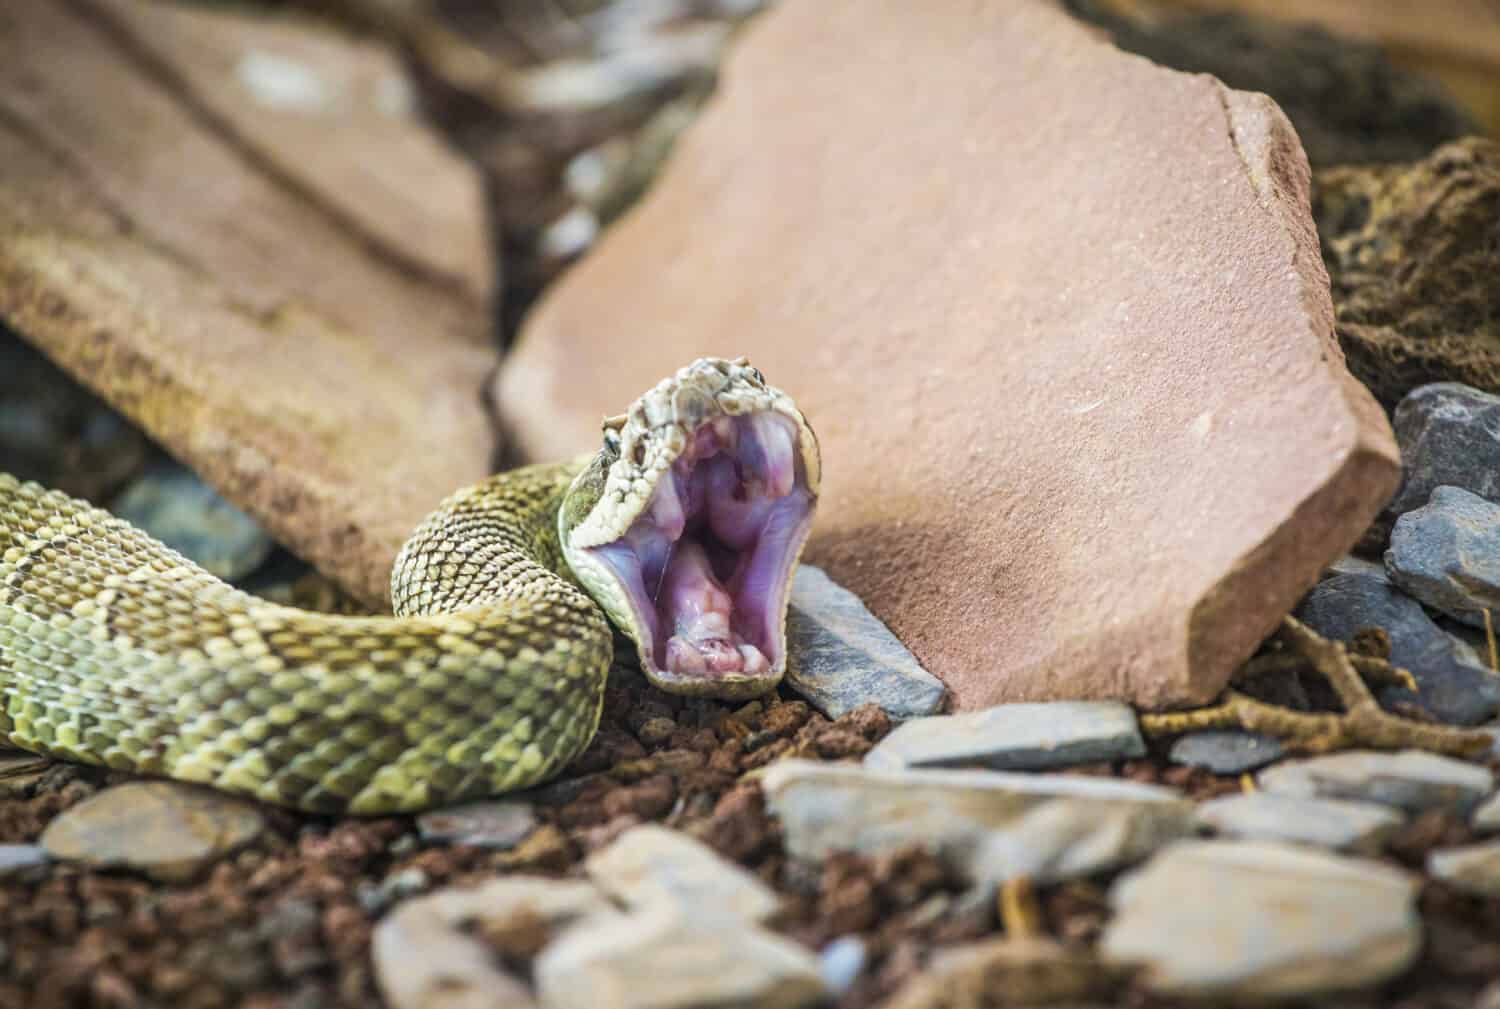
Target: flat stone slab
[(1339, 824), (651, 864), (1472, 868), (1447, 554), (987, 825), (1058, 315), (286, 85), (1412, 780), (839, 654), (313, 377), (1254, 920), (1015, 737)]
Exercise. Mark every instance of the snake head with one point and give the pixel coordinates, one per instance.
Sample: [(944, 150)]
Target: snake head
[(688, 523)]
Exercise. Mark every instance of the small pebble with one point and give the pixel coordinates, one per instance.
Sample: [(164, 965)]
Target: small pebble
[(497, 824), (172, 504), (1226, 751), (841, 962)]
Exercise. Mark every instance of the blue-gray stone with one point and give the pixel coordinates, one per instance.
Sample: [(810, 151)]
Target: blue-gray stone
[(1449, 434), (839, 654), (22, 860), (1454, 688), (1015, 737), (174, 505), (1447, 554), (1226, 751)]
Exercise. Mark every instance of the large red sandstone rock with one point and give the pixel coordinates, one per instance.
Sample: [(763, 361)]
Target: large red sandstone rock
[(303, 368), (1057, 314)]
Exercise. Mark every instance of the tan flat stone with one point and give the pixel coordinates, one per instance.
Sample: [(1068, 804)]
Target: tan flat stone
[(337, 117), (329, 392), (1057, 314)]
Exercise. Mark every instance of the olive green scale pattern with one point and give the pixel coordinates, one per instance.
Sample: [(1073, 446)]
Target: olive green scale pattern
[(116, 650)]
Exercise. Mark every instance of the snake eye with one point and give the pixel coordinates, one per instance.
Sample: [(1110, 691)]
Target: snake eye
[(638, 453)]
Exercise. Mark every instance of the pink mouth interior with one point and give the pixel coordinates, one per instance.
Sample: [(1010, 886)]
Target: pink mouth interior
[(707, 562)]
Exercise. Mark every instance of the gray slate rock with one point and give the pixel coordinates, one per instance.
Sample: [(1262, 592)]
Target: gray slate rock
[(668, 957), (651, 864), (1014, 737), (1472, 868), (492, 823), (1340, 824), (1449, 433), (1226, 751), (1454, 688), (174, 505), (1255, 920), (1413, 780), (1447, 554), (986, 825), (839, 654)]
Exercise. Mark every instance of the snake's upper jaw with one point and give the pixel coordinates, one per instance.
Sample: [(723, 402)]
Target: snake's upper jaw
[(700, 576)]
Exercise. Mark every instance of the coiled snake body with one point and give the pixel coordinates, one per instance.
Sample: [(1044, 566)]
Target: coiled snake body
[(683, 529)]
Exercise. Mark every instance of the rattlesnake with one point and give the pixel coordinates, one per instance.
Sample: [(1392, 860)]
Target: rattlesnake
[(684, 529)]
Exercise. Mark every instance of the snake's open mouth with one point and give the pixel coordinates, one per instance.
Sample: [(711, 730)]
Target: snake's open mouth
[(707, 563)]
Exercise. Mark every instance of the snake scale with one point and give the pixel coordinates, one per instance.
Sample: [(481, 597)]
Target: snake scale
[(683, 530)]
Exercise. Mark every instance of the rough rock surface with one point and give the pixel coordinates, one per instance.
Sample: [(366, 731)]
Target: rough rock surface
[(218, 315), (1412, 252), (1042, 376), (1014, 737), (1447, 554), (1304, 922), (1454, 686), (167, 830), (1449, 435)]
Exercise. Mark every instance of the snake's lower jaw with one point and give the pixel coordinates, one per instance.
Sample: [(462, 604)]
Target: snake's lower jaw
[(701, 578)]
